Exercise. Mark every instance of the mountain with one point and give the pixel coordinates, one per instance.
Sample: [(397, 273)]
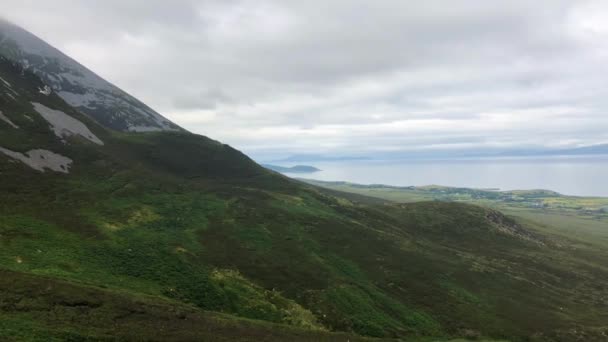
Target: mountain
[(460, 154), (601, 149), (318, 158), (110, 235), (292, 169), (77, 85)]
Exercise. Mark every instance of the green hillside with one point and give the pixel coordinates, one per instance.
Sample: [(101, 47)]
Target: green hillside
[(172, 235)]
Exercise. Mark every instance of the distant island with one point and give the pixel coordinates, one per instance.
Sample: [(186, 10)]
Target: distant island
[(293, 169)]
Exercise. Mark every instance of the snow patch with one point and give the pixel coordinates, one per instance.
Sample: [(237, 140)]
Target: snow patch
[(7, 120), (64, 125), (41, 159)]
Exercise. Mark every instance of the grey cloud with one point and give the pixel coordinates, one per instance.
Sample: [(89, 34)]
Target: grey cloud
[(348, 75), (207, 99)]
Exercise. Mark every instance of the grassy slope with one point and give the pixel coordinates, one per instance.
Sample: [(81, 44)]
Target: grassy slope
[(577, 225), (570, 216), (182, 218), (44, 309)]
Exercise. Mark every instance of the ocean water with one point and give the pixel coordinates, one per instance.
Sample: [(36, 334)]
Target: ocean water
[(579, 176)]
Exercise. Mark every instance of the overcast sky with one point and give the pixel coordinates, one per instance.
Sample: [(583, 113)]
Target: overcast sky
[(348, 76)]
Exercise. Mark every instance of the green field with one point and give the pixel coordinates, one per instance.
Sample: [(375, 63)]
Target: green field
[(544, 200), (593, 211)]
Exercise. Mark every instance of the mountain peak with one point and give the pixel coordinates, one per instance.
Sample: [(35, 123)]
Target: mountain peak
[(79, 86)]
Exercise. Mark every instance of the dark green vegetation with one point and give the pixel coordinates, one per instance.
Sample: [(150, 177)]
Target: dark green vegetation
[(37, 308), (150, 232), (292, 169), (583, 218)]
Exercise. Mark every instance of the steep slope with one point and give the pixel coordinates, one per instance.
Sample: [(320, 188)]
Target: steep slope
[(181, 219), (84, 312), (78, 86)]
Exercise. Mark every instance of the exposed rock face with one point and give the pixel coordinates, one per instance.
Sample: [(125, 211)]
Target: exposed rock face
[(41, 159), (78, 86), (7, 120), (64, 125), (7, 88), (508, 226)]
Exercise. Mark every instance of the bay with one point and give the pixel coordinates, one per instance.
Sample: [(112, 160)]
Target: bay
[(577, 176)]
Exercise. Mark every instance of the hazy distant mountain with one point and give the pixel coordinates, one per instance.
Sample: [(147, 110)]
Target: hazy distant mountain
[(587, 150), (293, 169), (455, 154), (319, 157), (78, 86)]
